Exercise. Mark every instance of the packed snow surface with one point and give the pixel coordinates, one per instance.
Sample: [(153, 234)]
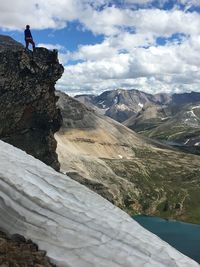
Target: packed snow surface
[(74, 225)]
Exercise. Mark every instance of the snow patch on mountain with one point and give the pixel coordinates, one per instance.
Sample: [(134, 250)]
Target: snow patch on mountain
[(101, 102), (197, 144), (191, 113), (186, 141), (196, 107), (76, 227), (165, 118), (140, 105), (116, 100), (122, 107)]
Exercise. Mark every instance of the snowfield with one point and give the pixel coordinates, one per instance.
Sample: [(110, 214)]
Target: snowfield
[(74, 225)]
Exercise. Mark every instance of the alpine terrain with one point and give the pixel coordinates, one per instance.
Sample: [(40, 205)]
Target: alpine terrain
[(134, 173), (172, 119), (46, 217)]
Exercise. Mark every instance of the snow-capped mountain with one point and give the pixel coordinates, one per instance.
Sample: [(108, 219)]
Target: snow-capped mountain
[(122, 104), (117, 104), (76, 227)]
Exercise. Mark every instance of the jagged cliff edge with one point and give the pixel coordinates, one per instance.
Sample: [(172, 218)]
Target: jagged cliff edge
[(28, 113)]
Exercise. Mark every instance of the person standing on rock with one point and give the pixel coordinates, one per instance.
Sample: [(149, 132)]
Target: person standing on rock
[(28, 37)]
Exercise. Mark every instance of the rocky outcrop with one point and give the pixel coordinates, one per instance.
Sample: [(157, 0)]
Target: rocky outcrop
[(19, 252), (28, 113)]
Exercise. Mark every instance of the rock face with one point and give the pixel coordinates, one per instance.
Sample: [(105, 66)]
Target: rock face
[(28, 113), (19, 252), (75, 226)]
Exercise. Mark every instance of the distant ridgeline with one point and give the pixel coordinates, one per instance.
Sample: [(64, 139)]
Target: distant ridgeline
[(28, 113), (171, 118), (123, 104)]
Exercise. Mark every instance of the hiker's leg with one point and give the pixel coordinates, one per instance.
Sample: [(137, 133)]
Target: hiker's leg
[(27, 43), (33, 44)]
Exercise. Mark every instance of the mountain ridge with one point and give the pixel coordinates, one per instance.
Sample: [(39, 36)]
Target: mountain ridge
[(134, 100), (153, 115)]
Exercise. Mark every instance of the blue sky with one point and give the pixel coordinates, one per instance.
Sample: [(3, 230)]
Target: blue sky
[(69, 37), (149, 45)]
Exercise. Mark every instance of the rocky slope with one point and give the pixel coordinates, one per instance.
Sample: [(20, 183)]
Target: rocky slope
[(148, 118), (74, 225), (134, 173), (28, 113), (180, 129)]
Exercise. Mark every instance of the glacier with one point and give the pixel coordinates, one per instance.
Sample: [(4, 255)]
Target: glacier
[(77, 227)]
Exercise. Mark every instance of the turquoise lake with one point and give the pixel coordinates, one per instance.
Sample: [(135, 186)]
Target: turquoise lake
[(185, 237)]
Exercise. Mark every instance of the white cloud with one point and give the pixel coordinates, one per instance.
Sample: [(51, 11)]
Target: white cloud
[(109, 20), (155, 21), (170, 68), (40, 14), (162, 2), (129, 55), (122, 61), (51, 46)]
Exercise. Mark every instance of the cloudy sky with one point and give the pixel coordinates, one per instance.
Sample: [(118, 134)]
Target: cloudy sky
[(150, 45)]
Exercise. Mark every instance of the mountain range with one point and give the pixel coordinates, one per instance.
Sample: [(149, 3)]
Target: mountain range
[(121, 104), (173, 119)]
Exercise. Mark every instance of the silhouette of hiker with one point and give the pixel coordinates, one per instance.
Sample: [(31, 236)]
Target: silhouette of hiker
[(28, 37)]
